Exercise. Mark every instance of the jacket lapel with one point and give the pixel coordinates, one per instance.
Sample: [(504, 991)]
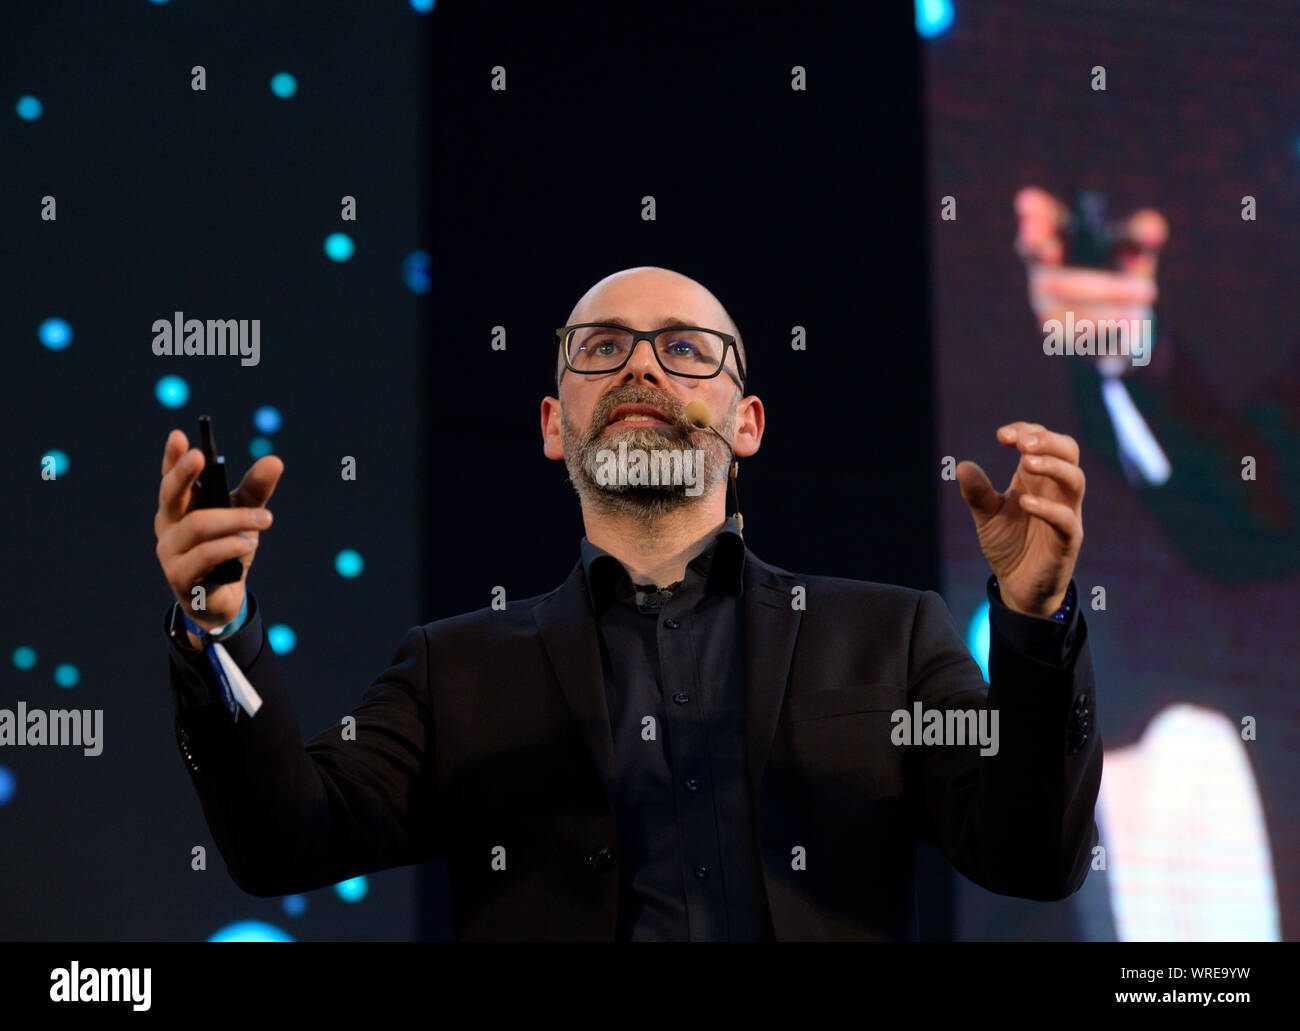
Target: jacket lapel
[(568, 629), (771, 627)]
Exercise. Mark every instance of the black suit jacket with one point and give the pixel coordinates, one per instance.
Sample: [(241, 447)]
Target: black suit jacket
[(487, 743)]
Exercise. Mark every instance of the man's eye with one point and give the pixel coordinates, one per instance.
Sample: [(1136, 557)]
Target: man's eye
[(606, 347), (681, 348)]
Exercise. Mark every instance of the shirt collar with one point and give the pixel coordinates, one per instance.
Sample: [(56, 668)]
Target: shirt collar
[(721, 563)]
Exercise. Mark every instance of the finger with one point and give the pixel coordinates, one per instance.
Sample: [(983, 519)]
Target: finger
[(1039, 222), (1009, 434), (206, 524), (1035, 202), (1074, 285), (1140, 240), (1059, 516), (978, 492), (258, 484), (177, 444), (1147, 229), (174, 491), (1066, 474), (193, 566), (1034, 440)]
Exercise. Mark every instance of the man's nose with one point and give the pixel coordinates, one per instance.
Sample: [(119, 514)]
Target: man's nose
[(643, 365)]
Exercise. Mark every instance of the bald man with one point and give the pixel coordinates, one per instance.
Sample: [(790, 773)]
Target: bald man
[(680, 742)]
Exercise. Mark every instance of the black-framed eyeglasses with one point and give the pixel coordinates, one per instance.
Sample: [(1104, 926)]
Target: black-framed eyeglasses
[(599, 348)]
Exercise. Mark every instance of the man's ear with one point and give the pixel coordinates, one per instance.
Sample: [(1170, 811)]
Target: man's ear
[(750, 421), (552, 428)]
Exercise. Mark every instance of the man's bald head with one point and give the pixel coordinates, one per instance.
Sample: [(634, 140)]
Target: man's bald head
[(641, 296)]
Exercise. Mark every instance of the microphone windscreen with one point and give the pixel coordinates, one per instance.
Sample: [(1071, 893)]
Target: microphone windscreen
[(698, 414)]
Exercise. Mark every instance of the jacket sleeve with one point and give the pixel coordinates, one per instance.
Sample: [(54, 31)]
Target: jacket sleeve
[(289, 817), (1020, 819)]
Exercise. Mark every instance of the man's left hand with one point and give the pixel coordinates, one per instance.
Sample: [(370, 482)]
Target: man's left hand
[(1031, 533)]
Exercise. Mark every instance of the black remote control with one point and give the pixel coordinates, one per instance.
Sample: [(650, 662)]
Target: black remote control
[(211, 490)]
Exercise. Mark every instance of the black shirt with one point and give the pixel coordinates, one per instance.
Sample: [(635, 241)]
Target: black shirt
[(674, 684)]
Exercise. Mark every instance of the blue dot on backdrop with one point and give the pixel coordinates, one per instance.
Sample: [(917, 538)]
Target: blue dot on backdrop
[(28, 108), (60, 461), (171, 391), (417, 272), (933, 17), (283, 85), (352, 890), (259, 447), (339, 246), (295, 905), (251, 931), (267, 419), (349, 563), (977, 638), (282, 638), (66, 675), (24, 657), (55, 334), (8, 785), (421, 6)]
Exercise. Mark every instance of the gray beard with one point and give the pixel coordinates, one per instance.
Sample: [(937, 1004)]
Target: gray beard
[(645, 503)]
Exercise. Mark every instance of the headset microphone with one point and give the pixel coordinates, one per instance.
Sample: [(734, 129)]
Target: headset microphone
[(699, 415)]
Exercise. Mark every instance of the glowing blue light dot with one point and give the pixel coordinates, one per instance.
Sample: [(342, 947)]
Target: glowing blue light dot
[(66, 675), (339, 246), (24, 657), (977, 638), (417, 272), (933, 17), (60, 461), (267, 419), (349, 563), (251, 931), (259, 447), (28, 108), (283, 85), (352, 890), (8, 785), (421, 6), (158, 1), (295, 905), (171, 391), (55, 334), (282, 638)]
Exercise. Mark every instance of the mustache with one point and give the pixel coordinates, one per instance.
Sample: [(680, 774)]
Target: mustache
[(673, 410)]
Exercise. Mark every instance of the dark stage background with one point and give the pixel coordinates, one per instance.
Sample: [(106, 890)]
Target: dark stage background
[(798, 208), (483, 211)]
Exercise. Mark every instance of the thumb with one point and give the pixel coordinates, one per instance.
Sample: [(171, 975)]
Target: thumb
[(258, 484), (978, 492)]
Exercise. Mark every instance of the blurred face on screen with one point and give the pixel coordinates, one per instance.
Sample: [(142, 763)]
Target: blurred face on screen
[(641, 406)]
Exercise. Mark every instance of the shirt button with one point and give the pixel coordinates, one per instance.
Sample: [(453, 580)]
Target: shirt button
[(681, 698), (702, 872), (671, 624), (692, 784)]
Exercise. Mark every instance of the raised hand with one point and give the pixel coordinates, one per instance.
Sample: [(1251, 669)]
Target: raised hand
[(1031, 532)]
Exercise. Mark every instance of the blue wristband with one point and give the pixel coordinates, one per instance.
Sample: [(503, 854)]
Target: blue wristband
[(226, 631), (206, 640)]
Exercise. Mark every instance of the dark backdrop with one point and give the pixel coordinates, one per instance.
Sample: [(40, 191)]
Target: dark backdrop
[(795, 207)]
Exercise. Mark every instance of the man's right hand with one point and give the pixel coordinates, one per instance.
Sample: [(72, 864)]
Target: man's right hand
[(193, 543)]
